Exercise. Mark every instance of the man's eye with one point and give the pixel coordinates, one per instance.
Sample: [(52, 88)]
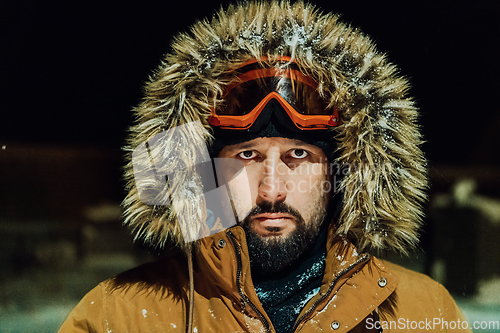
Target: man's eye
[(247, 154), (298, 153)]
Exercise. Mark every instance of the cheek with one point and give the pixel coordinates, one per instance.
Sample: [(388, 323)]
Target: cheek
[(241, 194), (310, 194), (305, 184)]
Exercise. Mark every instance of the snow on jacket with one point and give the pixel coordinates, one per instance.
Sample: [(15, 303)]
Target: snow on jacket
[(359, 293)]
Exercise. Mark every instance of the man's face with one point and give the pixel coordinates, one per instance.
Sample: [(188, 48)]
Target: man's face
[(288, 186)]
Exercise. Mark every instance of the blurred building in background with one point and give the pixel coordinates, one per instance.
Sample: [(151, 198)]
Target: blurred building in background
[(464, 228), (60, 230)]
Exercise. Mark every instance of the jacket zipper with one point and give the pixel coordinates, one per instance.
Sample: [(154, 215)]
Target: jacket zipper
[(238, 277), (330, 289)]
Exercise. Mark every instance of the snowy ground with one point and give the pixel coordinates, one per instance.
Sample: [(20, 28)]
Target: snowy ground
[(44, 319), (40, 300), (476, 311)]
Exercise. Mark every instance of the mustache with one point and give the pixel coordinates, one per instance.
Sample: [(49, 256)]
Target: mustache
[(273, 207)]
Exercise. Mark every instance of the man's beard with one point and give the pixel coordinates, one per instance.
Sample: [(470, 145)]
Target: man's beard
[(274, 254)]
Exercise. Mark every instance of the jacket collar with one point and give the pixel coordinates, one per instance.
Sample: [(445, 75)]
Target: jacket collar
[(217, 257), (348, 275)]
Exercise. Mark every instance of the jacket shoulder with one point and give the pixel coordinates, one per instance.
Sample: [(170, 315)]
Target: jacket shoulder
[(118, 300), (167, 275), (418, 297), (86, 316), (406, 275), (415, 285)]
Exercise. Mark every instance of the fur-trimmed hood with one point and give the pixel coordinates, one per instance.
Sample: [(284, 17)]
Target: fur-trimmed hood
[(378, 137)]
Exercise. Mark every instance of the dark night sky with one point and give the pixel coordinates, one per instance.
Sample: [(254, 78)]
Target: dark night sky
[(71, 71)]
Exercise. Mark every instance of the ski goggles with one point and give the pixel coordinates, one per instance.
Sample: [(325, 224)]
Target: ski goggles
[(254, 87)]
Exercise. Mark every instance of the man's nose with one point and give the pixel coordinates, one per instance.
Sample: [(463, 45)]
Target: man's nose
[(272, 187)]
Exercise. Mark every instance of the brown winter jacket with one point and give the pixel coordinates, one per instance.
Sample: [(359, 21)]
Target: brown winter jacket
[(358, 293)]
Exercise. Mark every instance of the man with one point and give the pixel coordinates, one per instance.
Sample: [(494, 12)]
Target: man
[(316, 155)]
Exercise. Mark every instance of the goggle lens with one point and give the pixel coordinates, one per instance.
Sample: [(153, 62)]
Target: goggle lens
[(247, 96)]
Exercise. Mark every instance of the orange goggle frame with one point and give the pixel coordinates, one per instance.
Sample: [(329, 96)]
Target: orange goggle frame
[(246, 98)]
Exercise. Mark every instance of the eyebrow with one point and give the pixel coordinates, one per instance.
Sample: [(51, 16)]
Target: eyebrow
[(300, 143), (243, 145), (249, 144)]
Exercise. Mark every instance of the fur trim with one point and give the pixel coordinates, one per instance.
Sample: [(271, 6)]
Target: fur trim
[(378, 139)]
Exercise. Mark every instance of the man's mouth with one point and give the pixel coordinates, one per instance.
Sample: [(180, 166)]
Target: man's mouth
[(272, 223), (272, 217)]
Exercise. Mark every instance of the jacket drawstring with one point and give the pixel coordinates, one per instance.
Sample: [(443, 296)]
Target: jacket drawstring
[(191, 291)]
